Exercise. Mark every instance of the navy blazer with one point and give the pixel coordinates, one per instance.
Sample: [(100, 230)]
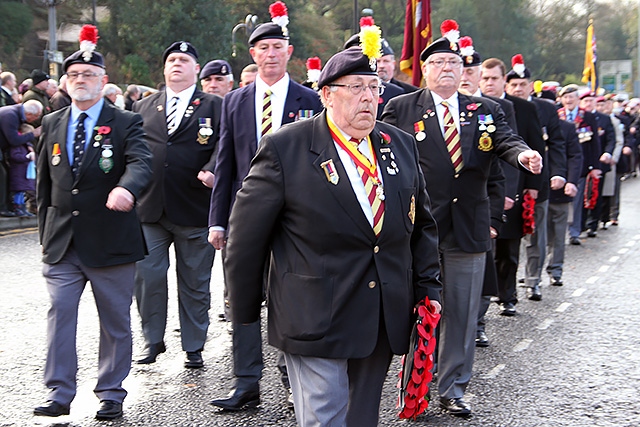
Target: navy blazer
[(11, 117), (460, 201), (238, 141)]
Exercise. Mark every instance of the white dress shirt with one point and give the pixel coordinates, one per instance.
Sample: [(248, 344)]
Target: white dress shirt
[(278, 97)]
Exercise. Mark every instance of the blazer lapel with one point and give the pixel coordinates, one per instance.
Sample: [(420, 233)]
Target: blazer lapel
[(432, 126), (322, 144), (388, 167), (95, 146), (468, 131), (291, 105)]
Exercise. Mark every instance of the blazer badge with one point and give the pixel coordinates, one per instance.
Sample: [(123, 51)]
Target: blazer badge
[(330, 171), (412, 210), (55, 154), (205, 130)]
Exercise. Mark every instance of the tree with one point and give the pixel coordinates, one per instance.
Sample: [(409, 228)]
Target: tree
[(16, 24)]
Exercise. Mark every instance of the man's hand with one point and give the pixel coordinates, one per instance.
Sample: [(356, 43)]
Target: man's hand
[(627, 151), (570, 189), (217, 239), (532, 160), (508, 203), (37, 131), (493, 233), (556, 183), (436, 306), (595, 173), (207, 178), (530, 191), (605, 158), (120, 199)]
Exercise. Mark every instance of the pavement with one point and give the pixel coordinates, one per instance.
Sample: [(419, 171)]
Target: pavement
[(15, 223)]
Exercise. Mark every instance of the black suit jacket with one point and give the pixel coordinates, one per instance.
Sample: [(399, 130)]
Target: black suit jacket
[(238, 141), (5, 98), (330, 277), (460, 201), (574, 161), (586, 123), (391, 91), (11, 117), (607, 137), (177, 159), (406, 87), (73, 210)]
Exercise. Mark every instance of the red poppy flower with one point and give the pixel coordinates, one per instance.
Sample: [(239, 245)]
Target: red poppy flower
[(472, 107), (386, 139), (104, 130), (196, 102), (528, 218)]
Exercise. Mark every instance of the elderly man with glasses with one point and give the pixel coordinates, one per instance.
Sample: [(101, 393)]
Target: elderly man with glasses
[(457, 138)]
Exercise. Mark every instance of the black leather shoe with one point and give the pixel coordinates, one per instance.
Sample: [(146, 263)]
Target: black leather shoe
[(533, 293), (556, 281), (151, 352), (109, 410), (238, 400), (456, 406), (592, 233), (575, 241), (482, 340), (507, 309), (194, 360), (51, 408)]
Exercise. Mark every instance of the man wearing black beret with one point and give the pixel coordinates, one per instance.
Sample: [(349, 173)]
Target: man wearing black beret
[(458, 136), (216, 77), (338, 205), (182, 125)]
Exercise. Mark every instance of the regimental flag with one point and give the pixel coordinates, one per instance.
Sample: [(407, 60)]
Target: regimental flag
[(589, 74), (417, 36)]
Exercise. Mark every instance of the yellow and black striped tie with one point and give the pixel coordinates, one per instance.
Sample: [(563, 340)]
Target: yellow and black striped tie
[(266, 113), (452, 139)]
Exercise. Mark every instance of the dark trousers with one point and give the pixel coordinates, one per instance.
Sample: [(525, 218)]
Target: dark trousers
[(507, 255)]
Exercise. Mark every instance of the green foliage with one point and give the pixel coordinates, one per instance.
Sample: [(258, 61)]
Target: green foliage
[(16, 24), (135, 69)]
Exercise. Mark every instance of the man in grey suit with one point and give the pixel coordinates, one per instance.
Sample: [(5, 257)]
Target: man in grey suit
[(92, 166), (458, 138), (338, 205), (182, 125)]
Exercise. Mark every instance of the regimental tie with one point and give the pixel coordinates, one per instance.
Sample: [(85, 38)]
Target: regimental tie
[(266, 114), (452, 139), (374, 191), (172, 115), (78, 145)]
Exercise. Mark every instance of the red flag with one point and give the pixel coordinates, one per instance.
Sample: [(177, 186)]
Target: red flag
[(417, 35)]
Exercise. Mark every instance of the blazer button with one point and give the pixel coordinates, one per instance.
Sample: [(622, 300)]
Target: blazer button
[(75, 213), (456, 175), (376, 249), (455, 200), (75, 191), (372, 284)]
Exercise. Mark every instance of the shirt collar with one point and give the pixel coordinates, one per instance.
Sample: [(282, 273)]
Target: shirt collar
[(452, 100), (279, 88), (93, 112), (186, 94)]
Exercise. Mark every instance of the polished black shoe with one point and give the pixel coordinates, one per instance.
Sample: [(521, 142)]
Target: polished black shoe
[(238, 400), (482, 340), (194, 360), (151, 352), (534, 293), (592, 233), (507, 309), (109, 410), (456, 406), (575, 241), (556, 281), (51, 408)]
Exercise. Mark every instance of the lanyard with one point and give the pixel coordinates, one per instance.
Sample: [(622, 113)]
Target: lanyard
[(359, 159)]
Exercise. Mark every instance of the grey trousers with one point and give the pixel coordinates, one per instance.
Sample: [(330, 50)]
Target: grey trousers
[(194, 259), (557, 231), (112, 289), (575, 227), (463, 275), (339, 392), (536, 245)]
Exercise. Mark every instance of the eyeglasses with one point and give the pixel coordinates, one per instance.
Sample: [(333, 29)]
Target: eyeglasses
[(439, 63), (87, 75), (357, 88)]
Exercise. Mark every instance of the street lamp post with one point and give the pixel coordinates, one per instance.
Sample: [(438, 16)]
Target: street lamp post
[(248, 25)]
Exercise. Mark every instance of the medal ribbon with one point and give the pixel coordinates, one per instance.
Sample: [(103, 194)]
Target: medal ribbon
[(368, 172)]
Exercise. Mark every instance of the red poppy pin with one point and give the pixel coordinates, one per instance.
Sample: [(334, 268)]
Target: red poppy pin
[(196, 102), (386, 139), (103, 130), (473, 107)]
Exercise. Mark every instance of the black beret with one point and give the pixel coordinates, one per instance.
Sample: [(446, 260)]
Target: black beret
[(217, 67), (268, 30), (471, 60), (513, 75), (588, 94), (180, 47), (347, 62), (568, 89), (38, 76), (442, 45), (83, 57), (354, 40)]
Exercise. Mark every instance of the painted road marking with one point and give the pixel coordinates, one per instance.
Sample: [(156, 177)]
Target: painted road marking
[(603, 269), (614, 259), (578, 292), (545, 324), (592, 279), (623, 250), (631, 243), (495, 371), (522, 345), (563, 307)]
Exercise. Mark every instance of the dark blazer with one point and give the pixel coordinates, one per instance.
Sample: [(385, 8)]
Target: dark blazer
[(406, 87), (590, 145), (390, 91), (574, 161), (11, 117), (175, 189), (73, 210), (238, 143), (5, 98), (607, 137), (330, 277), (458, 198)]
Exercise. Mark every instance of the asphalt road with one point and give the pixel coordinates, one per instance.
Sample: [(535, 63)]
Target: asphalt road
[(572, 359)]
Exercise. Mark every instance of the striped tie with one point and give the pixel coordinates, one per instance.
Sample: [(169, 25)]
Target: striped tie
[(171, 115), (266, 113), (377, 205), (452, 139), (78, 144)]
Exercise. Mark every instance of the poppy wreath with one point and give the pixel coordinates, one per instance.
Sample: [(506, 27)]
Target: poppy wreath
[(416, 375), (528, 211), (591, 192)]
